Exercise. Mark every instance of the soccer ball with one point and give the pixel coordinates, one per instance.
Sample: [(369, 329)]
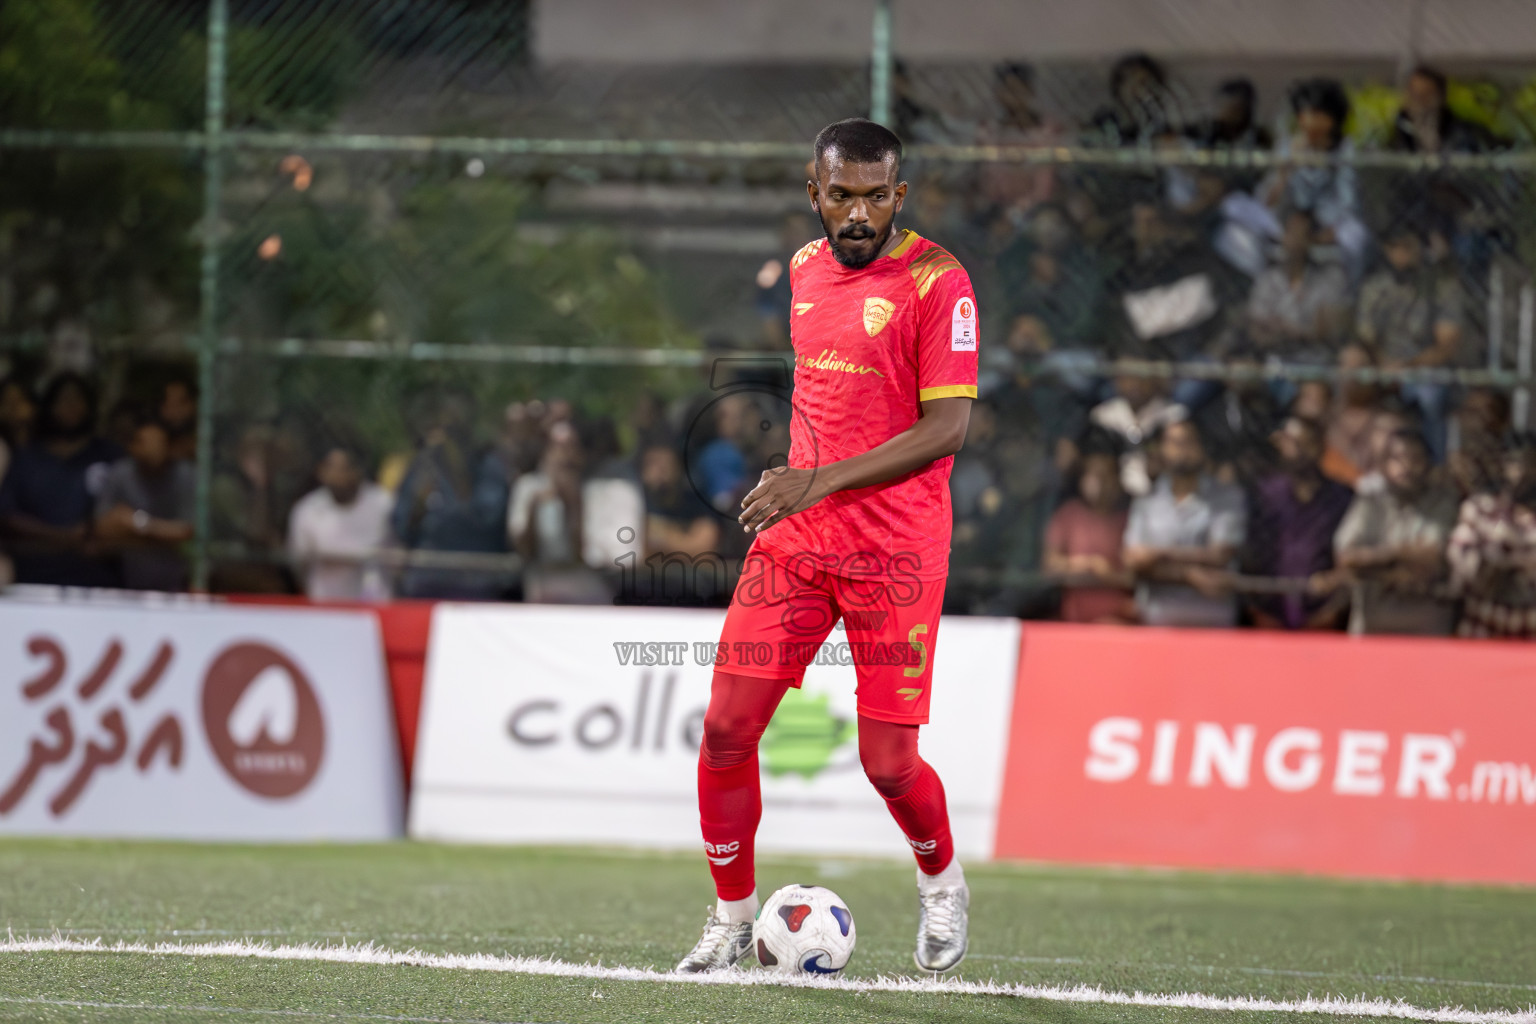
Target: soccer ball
[(804, 929)]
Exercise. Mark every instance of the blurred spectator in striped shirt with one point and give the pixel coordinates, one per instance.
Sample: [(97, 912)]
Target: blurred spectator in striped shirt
[(1492, 553), (1477, 430)]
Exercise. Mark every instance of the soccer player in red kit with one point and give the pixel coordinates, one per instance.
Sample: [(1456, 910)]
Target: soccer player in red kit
[(856, 527)]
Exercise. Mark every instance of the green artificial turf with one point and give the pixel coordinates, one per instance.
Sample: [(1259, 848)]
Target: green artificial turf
[(1221, 935)]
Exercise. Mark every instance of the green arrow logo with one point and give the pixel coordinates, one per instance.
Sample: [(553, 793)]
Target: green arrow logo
[(803, 735)]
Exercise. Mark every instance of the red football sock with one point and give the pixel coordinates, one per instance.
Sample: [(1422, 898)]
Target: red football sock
[(911, 789), (730, 791)]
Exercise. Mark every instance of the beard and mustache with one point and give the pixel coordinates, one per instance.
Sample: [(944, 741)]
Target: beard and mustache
[(856, 233)]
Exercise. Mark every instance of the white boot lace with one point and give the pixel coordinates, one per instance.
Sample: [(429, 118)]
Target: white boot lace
[(939, 910), (717, 948), (716, 933)]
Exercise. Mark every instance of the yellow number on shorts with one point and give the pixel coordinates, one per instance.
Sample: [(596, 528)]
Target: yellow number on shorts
[(916, 671)]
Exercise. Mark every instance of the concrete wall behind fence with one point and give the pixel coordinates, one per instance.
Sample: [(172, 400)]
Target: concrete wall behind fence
[(735, 31)]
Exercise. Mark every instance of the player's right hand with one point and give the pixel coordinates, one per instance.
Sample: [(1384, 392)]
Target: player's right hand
[(780, 492)]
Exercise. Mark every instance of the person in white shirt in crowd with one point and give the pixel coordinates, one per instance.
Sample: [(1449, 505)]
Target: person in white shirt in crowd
[(1138, 412), (1392, 544), (572, 527), (1298, 308), (345, 518), (1183, 538)]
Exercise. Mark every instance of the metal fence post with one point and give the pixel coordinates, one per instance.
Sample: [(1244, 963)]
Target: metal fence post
[(1495, 317), (1527, 328), (880, 65), (208, 334)]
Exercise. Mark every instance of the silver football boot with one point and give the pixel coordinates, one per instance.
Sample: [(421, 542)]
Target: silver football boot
[(722, 945), (942, 929)]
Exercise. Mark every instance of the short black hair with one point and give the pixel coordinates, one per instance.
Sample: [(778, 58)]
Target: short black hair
[(146, 421), (1239, 88), (17, 381), (1402, 230), (1317, 430), (858, 140), (1434, 75), (1324, 95), (1138, 61), (46, 425), (182, 381), (661, 438), (1316, 382), (1519, 442), (351, 451), (1414, 438), (1499, 398), (1015, 70), (1292, 210), (1097, 440), (1188, 421)]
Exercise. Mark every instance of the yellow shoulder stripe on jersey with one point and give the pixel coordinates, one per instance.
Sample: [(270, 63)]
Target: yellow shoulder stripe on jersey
[(807, 250), (926, 278), (906, 243), (947, 391), (936, 252), (931, 266)]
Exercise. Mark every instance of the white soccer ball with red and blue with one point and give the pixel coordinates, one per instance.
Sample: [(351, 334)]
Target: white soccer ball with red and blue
[(804, 929)]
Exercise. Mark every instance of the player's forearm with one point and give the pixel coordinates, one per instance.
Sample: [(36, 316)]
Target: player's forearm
[(1428, 559), (1366, 558), (1182, 558), (1058, 562), (26, 527), (939, 431), (169, 531), (931, 438), (1417, 557)]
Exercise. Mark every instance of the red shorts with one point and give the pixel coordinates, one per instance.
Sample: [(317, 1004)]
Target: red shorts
[(785, 608)]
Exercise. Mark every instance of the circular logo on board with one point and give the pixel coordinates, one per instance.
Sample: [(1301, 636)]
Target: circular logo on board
[(750, 414), (262, 720)]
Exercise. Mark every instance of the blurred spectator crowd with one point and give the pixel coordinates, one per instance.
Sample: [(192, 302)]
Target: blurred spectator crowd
[(554, 508), (1301, 495), (1280, 501)]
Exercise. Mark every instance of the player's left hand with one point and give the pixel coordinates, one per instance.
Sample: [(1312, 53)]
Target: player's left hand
[(780, 492)]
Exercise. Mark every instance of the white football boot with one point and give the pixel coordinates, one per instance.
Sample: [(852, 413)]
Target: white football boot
[(942, 929), (723, 945)]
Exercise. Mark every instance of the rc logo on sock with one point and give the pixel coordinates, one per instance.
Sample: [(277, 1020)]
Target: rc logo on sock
[(721, 854), (263, 720), (924, 845)]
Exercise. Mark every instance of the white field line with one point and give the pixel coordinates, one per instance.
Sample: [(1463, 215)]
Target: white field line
[(558, 940), (372, 955), (237, 1011)]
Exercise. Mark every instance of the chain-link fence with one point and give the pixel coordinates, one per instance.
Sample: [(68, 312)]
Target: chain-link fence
[(545, 309)]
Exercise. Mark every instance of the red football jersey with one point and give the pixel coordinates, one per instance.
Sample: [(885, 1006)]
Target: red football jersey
[(870, 344)]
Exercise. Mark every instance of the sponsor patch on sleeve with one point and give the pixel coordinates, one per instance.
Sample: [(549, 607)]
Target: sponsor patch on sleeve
[(962, 331)]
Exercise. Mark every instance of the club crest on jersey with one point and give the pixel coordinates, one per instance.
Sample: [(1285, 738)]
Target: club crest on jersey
[(877, 313)]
